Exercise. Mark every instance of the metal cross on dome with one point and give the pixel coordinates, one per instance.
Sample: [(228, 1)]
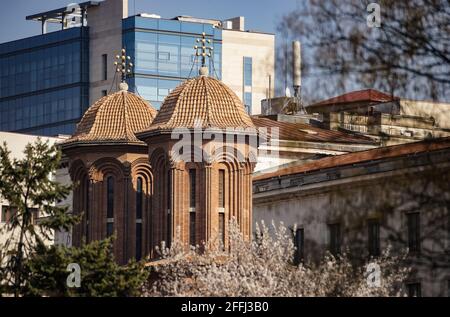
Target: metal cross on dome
[(203, 50), (123, 64)]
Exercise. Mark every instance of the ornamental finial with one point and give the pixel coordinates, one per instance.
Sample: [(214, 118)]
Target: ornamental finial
[(123, 65), (203, 51)]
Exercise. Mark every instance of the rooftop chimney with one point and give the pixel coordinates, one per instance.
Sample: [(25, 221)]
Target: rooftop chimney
[(297, 65)]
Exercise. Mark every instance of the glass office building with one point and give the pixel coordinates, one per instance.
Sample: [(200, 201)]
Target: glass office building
[(164, 56), (44, 82)]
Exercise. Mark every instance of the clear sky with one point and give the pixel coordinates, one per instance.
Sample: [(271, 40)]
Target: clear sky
[(262, 15)]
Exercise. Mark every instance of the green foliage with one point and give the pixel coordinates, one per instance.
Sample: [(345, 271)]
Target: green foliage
[(100, 274), (29, 266), (29, 183)]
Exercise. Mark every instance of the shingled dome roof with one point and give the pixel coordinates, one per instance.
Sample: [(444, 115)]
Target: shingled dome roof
[(114, 118), (201, 99)]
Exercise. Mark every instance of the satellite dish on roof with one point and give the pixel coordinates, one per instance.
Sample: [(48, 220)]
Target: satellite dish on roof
[(288, 92)]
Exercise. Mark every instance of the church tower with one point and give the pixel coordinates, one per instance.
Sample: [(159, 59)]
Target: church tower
[(109, 167), (202, 150)]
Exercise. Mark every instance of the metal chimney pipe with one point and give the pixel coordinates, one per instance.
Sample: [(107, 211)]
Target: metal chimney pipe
[(297, 66)]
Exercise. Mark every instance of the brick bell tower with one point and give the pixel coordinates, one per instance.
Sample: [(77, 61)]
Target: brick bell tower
[(109, 168), (202, 150)]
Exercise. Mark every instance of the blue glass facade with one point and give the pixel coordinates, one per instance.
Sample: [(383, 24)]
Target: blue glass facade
[(248, 79), (164, 56), (44, 82)]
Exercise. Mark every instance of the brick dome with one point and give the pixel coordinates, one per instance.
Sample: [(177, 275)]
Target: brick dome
[(114, 118), (201, 98)]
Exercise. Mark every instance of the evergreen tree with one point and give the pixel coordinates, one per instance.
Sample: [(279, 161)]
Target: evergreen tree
[(28, 185), (31, 267)]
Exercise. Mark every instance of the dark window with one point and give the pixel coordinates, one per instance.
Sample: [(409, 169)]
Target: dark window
[(138, 241), (169, 206), (34, 215), (222, 188), (139, 196), (448, 288), (87, 207), (139, 205), (104, 93), (414, 232), (169, 190), (8, 213), (222, 229), (192, 228), (109, 205), (414, 289), (192, 188), (104, 66), (299, 242), (335, 238), (5, 214), (109, 229), (374, 237)]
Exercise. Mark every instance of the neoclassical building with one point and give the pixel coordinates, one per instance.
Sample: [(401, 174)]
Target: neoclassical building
[(132, 179)]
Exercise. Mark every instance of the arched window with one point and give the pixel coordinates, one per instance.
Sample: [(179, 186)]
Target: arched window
[(192, 205), (139, 206), (87, 207), (109, 206), (169, 207)]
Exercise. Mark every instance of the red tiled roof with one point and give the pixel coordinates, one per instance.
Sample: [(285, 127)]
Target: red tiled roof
[(205, 99), (114, 118), (366, 95), (307, 132), (362, 156)]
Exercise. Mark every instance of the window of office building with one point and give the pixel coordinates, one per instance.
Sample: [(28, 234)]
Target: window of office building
[(248, 79), (248, 102), (247, 71), (334, 243), (104, 67), (413, 220), (29, 113), (373, 226)]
